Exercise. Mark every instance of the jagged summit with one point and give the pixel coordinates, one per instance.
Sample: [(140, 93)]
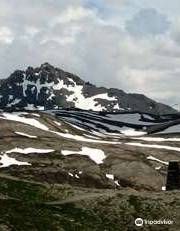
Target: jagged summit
[(49, 87)]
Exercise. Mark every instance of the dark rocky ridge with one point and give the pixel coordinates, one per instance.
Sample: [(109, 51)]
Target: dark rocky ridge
[(49, 87)]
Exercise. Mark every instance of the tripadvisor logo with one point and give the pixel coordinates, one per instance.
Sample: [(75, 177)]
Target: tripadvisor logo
[(141, 222)]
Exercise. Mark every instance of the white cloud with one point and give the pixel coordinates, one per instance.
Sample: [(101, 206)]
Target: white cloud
[(6, 35), (90, 40), (31, 31), (148, 21), (72, 14)]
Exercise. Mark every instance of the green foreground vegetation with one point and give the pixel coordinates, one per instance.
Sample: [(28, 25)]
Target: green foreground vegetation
[(31, 206)]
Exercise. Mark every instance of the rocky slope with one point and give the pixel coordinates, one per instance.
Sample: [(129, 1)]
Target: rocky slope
[(47, 87), (59, 171), (77, 157)]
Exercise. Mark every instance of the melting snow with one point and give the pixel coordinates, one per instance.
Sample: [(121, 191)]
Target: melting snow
[(83, 139), (116, 182), (110, 176), (7, 161), (57, 123), (132, 132), (92, 137), (29, 121), (30, 107), (37, 124), (70, 174), (24, 134), (30, 150), (14, 102), (85, 103), (155, 159), (155, 146), (97, 155), (40, 108), (76, 96), (158, 139), (34, 114), (77, 176), (158, 168), (77, 127), (37, 85)]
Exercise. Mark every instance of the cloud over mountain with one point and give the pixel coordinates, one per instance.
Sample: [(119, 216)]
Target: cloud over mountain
[(96, 40), (148, 22)]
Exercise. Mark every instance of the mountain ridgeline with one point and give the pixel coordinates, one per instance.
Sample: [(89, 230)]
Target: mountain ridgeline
[(48, 87)]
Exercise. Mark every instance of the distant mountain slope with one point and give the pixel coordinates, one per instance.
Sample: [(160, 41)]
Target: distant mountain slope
[(87, 149), (48, 87)]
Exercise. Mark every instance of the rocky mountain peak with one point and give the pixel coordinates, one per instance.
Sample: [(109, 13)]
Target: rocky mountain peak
[(49, 87), (47, 66)]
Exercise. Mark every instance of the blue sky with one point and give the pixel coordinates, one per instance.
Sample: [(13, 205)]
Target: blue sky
[(128, 44)]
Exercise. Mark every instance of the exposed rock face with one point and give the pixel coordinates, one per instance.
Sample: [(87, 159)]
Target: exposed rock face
[(47, 87)]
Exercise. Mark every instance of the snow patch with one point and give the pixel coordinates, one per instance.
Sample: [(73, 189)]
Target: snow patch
[(77, 127), (155, 146), (132, 132), (29, 150), (34, 114), (158, 139), (30, 107), (7, 161), (16, 117), (88, 103), (116, 182), (70, 174), (35, 123), (76, 175), (110, 176), (97, 155), (14, 102), (83, 139), (155, 159), (57, 123), (24, 134), (158, 168)]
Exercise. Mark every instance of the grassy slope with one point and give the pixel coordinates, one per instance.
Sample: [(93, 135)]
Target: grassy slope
[(24, 207), (29, 206)]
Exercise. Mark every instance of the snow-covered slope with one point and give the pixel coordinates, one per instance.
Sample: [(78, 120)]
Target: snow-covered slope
[(128, 124), (47, 87), (88, 149)]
